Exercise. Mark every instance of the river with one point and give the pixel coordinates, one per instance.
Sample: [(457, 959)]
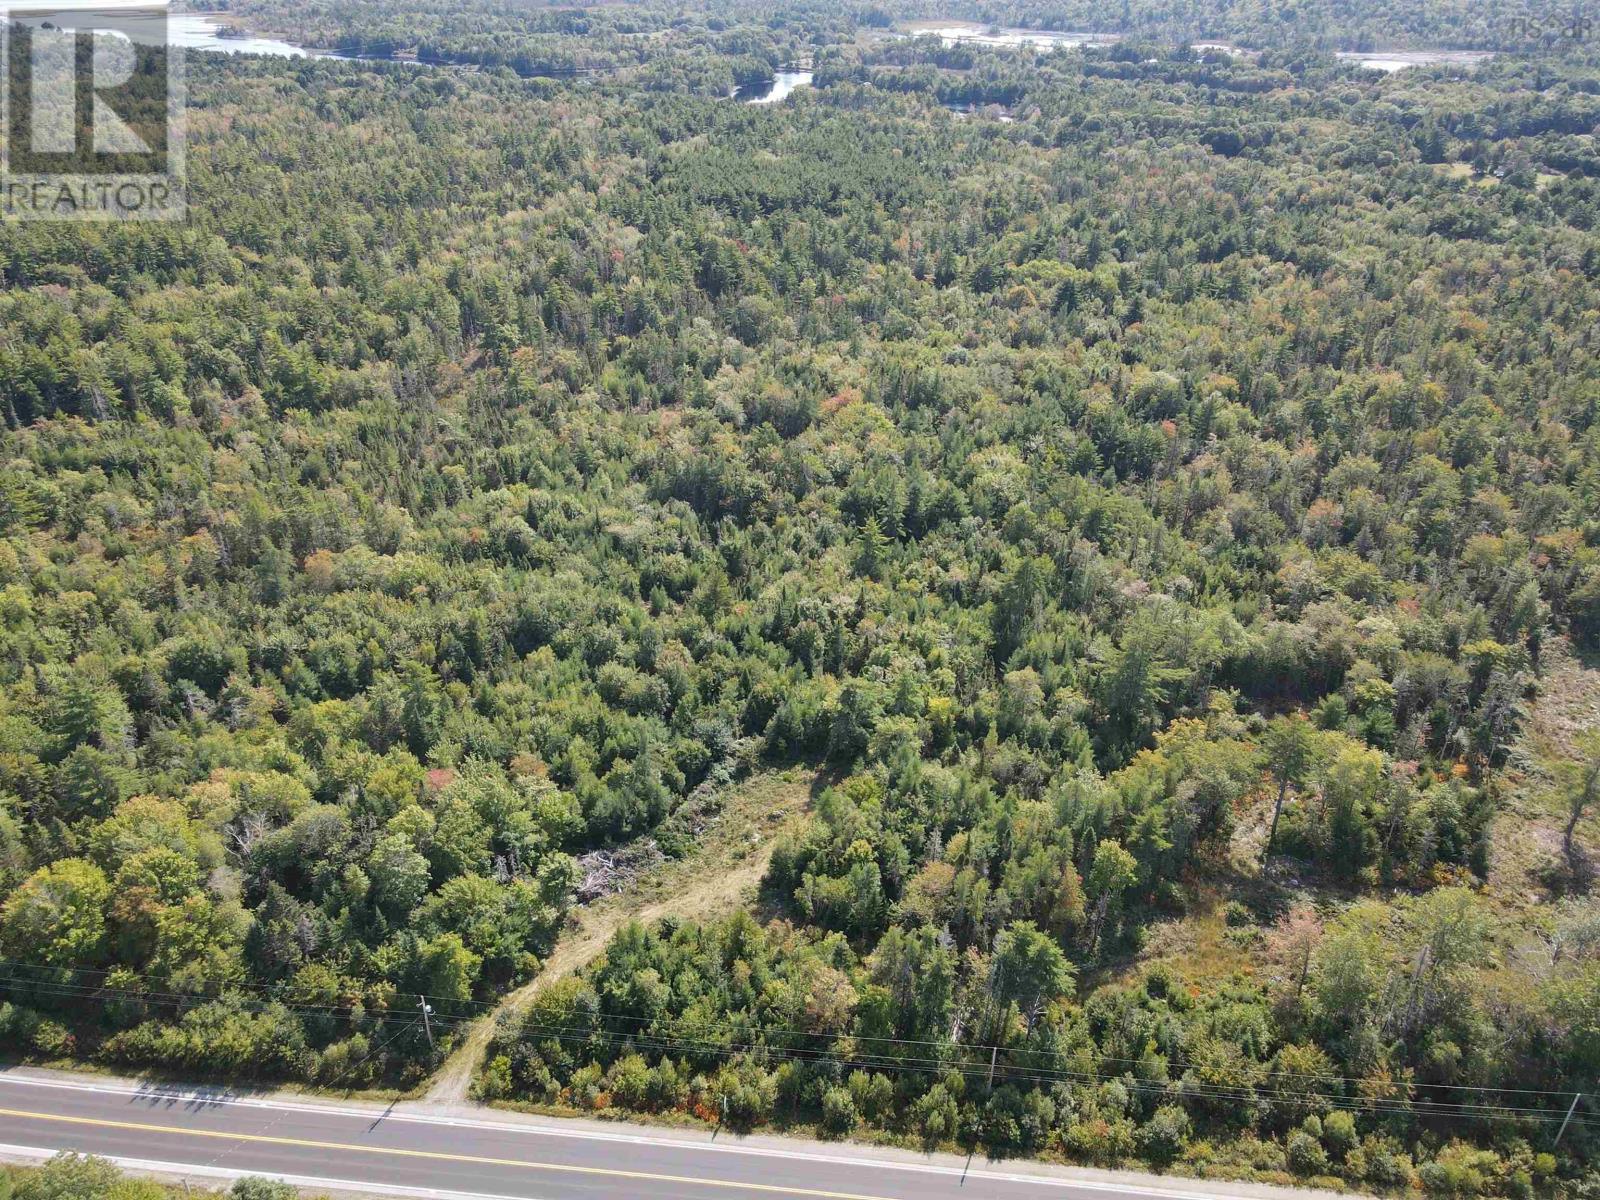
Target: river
[(1398, 60), (967, 33), (201, 31), (782, 84), (204, 31)]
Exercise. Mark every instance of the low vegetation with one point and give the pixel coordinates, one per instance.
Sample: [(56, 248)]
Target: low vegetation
[(74, 1177)]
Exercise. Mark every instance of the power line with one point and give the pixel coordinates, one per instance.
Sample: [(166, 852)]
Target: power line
[(96, 994), (1025, 1050), (1241, 1094), (487, 1007), (230, 985), (934, 1066), (881, 1062)]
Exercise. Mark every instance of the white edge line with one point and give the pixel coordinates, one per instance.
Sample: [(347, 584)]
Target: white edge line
[(144, 1166), (176, 1096), (181, 1170)]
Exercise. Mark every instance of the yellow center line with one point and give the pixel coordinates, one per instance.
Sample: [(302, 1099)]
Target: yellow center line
[(435, 1155)]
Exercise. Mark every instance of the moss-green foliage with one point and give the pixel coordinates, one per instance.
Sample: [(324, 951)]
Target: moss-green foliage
[(75, 1177), (746, 1024), (1187, 475)]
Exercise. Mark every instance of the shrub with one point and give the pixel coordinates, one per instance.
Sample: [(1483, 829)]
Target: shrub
[(21, 1026), (873, 1095), (667, 1087), (1461, 1170), (793, 1082), (1339, 1134), (495, 1082), (17, 1025), (1159, 982), (1382, 1162), (256, 1188), (1036, 1118), (221, 1037), (745, 1093), (1101, 1140), (1305, 1078), (1305, 1154), (1001, 1127), (1163, 1137), (587, 1087), (629, 1081), (347, 1062), (838, 1112), (53, 1039), (935, 1116), (536, 1080), (74, 1177)]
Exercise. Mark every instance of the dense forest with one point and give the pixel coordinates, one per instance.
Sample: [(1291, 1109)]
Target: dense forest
[(1155, 486)]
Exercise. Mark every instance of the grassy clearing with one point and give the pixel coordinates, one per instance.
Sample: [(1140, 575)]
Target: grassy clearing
[(1528, 867), (1527, 870), (721, 873)]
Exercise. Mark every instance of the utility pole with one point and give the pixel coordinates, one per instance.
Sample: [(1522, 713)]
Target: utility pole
[(994, 1052), (1576, 1096), (427, 1025)]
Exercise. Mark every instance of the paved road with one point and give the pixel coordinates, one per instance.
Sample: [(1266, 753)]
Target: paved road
[(209, 1135)]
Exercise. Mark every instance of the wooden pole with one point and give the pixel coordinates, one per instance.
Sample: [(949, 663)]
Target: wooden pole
[(427, 1025), (1576, 1096)]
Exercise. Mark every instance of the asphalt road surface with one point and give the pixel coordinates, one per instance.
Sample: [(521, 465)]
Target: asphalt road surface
[(210, 1136)]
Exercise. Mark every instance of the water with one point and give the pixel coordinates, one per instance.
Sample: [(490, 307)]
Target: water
[(998, 112), (980, 35), (783, 83), (193, 30), (200, 32), (966, 33), (1399, 60)]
